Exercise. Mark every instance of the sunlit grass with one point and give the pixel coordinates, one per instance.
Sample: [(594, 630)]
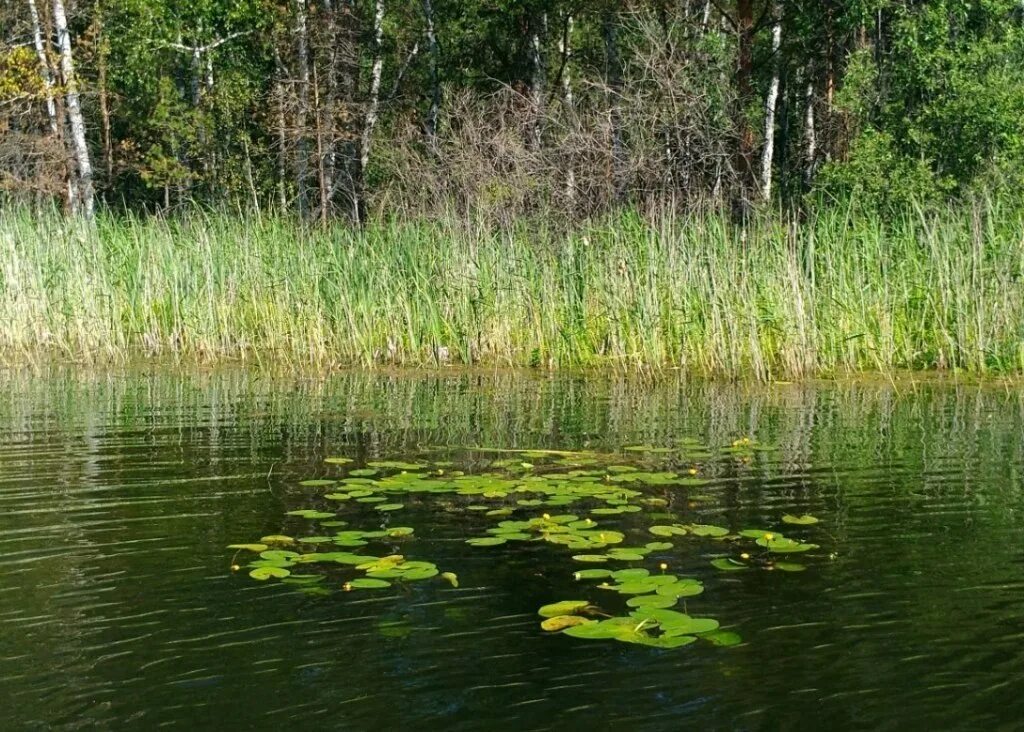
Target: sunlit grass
[(835, 293)]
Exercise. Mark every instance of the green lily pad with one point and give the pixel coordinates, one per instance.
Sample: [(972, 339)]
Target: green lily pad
[(265, 573), (667, 530), (451, 578), (728, 565), (659, 546), (389, 506), (655, 601), (317, 483), (338, 460), (562, 607), (277, 539), (784, 546), (707, 530), (790, 566), (723, 638), (399, 531), (364, 472), (681, 589), (249, 547), (596, 558), (804, 520), (665, 641), (486, 541), (310, 513), (592, 574), (366, 583), (561, 622)]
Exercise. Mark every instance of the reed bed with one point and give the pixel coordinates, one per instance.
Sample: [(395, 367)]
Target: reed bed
[(837, 292)]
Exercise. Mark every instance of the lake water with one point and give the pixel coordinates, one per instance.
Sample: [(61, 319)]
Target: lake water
[(120, 492)]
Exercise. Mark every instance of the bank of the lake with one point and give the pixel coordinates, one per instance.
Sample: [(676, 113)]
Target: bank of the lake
[(839, 292)]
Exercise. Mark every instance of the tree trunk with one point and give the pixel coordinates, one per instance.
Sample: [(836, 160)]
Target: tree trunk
[(565, 50), (51, 104), (770, 102), (86, 196), (435, 81), (614, 74), (810, 135), (376, 70), (745, 88), (302, 113), (537, 83)]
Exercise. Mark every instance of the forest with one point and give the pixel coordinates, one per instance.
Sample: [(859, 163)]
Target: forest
[(354, 108), (746, 188)]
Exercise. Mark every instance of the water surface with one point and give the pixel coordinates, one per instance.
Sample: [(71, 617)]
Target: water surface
[(120, 492)]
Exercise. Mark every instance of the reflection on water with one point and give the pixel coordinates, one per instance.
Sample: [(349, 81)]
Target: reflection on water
[(119, 493)]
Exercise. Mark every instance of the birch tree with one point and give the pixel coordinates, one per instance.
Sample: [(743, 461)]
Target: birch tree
[(85, 199)]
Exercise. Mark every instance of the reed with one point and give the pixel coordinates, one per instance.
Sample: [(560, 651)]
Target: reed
[(841, 291)]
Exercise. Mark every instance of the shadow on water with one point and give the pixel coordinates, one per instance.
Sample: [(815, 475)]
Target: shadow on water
[(119, 493)]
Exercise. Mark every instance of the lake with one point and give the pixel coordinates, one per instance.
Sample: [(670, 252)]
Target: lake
[(121, 491)]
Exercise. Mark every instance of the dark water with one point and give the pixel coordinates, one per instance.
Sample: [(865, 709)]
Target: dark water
[(118, 609)]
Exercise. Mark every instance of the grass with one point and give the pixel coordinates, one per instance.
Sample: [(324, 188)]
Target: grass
[(837, 293)]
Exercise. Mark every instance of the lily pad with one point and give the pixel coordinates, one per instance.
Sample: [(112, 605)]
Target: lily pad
[(265, 573), (389, 506), (486, 541), (592, 574), (657, 601), (562, 607), (804, 520), (366, 583), (561, 622), (277, 539), (249, 547), (728, 565)]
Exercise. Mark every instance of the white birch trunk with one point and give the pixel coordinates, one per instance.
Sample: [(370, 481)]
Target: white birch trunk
[(302, 41), (375, 76), (435, 82), (810, 135), (565, 49), (770, 103), (76, 121)]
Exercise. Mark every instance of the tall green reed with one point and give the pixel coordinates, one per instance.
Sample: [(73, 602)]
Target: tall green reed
[(842, 291)]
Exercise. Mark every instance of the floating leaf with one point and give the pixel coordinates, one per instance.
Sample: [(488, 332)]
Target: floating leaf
[(665, 641), (398, 531), (249, 547), (656, 601), (338, 460), (789, 566), (365, 583), (265, 573), (486, 541), (597, 558), (784, 546), (310, 513), (451, 577), (277, 539), (317, 483), (723, 638), (667, 530), (364, 472), (707, 530), (389, 506), (561, 622), (683, 588), (805, 520), (728, 565), (592, 574), (659, 546), (562, 607)]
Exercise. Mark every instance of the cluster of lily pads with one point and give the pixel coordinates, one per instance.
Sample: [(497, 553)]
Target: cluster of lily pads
[(598, 484), (281, 563)]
